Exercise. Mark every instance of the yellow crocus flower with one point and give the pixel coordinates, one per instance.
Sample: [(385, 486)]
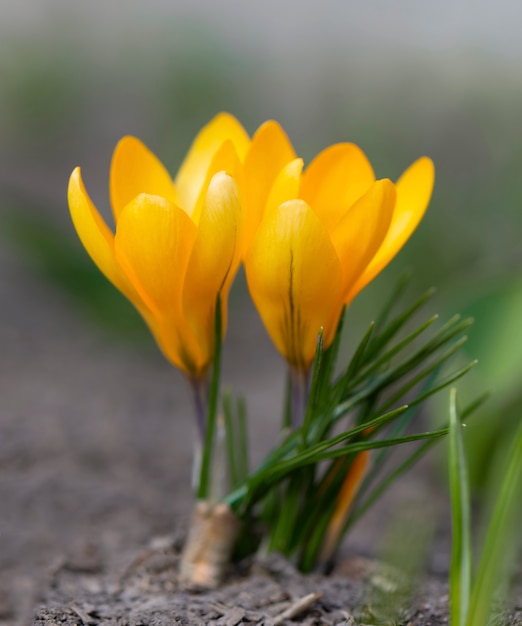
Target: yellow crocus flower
[(318, 237), (177, 243)]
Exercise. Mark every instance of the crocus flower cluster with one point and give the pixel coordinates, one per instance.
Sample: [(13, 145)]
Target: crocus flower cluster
[(177, 243), (310, 240)]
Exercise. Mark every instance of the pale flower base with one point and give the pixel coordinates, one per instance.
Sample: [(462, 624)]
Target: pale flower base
[(206, 555)]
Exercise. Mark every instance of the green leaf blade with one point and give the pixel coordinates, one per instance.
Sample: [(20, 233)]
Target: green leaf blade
[(461, 553), (502, 531)]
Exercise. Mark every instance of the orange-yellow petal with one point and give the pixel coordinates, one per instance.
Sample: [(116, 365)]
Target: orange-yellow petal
[(153, 242), (362, 229), (335, 179), (270, 150), (214, 260), (224, 160), (134, 170), (414, 189), (100, 244), (96, 237), (294, 277), (177, 342), (193, 170), (286, 185)]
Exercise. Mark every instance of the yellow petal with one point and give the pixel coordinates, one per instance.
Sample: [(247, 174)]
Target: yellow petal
[(177, 342), (270, 150), (286, 185), (153, 242), (224, 160), (100, 244), (214, 260), (362, 230), (294, 277), (96, 237), (193, 171), (335, 179), (414, 189), (134, 170)]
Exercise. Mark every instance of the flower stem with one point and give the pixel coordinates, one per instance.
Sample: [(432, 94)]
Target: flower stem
[(299, 394), (204, 486), (200, 397)]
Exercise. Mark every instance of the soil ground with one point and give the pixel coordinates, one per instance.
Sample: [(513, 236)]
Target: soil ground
[(95, 487)]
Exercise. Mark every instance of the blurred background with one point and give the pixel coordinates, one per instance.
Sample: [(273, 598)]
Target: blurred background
[(400, 79)]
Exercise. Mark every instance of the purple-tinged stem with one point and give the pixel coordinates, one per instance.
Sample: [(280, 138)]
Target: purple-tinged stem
[(199, 395), (299, 382)]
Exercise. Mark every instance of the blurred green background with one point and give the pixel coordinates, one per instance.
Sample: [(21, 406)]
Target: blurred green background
[(400, 79)]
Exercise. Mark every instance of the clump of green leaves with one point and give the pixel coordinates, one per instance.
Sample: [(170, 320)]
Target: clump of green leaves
[(312, 487)]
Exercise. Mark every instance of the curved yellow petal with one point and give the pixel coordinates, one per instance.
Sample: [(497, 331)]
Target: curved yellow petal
[(294, 278), (96, 237), (270, 150), (193, 171), (286, 185), (414, 189), (134, 170), (153, 242), (177, 342), (362, 229), (214, 260), (224, 160), (100, 244), (335, 179)]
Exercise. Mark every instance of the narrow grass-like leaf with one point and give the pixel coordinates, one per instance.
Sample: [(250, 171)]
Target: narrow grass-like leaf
[(243, 461), (431, 368), (388, 482), (287, 406), (460, 569), (365, 386), (320, 453), (394, 327), (288, 447), (373, 444), (382, 383), (450, 330), (246, 495), (475, 405), (387, 356), (312, 545), (231, 440), (236, 439), (330, 359), (397, 428), (206, 462), (448, 380), (315, 388), (503, 532), (396, 294), (409, 462), (342, 385)]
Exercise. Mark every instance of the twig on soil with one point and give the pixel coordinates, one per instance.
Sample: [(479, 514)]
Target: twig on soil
[(298, 607), (349, 619), (83, 615), (157, 545)]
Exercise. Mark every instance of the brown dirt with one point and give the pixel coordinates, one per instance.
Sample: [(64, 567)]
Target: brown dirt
[(94, 485)]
